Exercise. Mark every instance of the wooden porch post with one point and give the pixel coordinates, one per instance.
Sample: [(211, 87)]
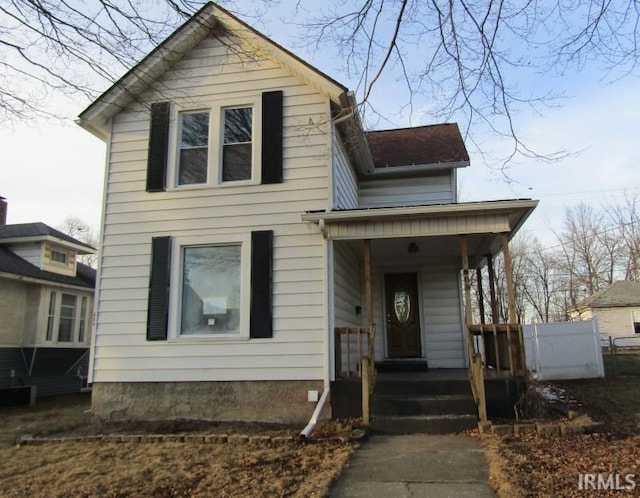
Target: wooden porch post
[(492, 290), (509, 277), (476, 374), (368, 358), (480, 296), (367, 282), (467, 283)]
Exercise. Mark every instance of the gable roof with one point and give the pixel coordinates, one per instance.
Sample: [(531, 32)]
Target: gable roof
[(211, 18), (619, 294), (33, 232), (435, 145), (13, 264)]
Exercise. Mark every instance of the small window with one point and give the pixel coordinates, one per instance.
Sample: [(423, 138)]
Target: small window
[(211, 290), (237, 144), (636, 327), (194, 148), (58, 256), (67, 318)]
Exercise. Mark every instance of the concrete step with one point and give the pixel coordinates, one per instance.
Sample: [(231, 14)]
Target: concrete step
[(420, 387), (444, 404), (424, 424)]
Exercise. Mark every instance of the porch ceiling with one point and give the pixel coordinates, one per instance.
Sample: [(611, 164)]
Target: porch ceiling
[(483, 222)]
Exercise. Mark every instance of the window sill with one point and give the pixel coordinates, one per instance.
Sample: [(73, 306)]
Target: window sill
[(209, 339)]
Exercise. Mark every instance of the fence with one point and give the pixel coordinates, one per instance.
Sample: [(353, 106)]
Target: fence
[(621, 355), (563, 350)]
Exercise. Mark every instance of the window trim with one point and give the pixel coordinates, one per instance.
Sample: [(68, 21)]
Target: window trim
[(175, 291), (179, 149), (216, 139), (55, 318)]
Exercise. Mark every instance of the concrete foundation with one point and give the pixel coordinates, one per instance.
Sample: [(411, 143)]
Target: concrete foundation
[(283, 402)]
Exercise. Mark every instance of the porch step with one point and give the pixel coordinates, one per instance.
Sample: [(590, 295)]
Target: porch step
[(401, 366), (435, 402), (424, 424), (416, 386), (444, 404)]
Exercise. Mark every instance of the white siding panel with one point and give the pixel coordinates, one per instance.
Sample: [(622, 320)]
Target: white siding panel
[(208, 76), (394, 192), (345, 180), (30, 252), (347, 285)]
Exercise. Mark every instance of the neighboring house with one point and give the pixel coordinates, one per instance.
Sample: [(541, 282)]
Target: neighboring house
[(249, 218), (617, 309), (46, 303)]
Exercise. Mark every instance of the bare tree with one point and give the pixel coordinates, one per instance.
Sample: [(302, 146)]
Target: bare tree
[(463, 55), (626, 218), (81, 230)]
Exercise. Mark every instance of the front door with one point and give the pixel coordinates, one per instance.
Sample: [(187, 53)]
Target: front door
[(403, 316)]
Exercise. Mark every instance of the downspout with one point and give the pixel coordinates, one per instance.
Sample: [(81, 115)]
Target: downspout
[(328, 322)]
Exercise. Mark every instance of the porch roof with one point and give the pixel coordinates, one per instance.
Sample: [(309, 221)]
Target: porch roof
[(465, 218)]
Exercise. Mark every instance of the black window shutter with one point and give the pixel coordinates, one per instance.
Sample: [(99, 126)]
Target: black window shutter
[(272, 137), (158, 147), (261, 284), (158, 312)]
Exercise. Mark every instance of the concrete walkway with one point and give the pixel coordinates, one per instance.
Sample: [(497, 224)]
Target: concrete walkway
[(417, 465)]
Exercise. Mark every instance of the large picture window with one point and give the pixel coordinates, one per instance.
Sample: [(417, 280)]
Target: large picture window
[(194, 148), (211, 290), (237, 143)]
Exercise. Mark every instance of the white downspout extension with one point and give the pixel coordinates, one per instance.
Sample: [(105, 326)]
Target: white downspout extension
[(328, 326)]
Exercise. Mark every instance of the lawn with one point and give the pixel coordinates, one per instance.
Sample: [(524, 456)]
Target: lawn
[(263, 468), (530, 465)]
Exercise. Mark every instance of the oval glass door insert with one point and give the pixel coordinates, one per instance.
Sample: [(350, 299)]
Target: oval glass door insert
[(402, 305)]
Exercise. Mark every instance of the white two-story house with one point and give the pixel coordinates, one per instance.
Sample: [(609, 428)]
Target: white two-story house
[(249, 221)]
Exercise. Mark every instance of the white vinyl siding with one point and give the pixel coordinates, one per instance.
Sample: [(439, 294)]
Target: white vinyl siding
[(345, 181), (33, 253), (133, 217), (400, 192), (617, 321), (347, 269)]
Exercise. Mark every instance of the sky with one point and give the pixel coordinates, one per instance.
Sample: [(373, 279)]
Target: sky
[(51, 170)]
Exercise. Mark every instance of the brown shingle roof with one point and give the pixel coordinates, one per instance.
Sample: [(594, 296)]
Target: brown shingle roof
[(435, 144)]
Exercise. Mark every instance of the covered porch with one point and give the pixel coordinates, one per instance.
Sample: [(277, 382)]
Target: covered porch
[(401, 298)]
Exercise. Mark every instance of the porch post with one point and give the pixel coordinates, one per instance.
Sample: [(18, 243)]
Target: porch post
[(367, 282), (467, 283), (480, 296), (492, 290), (509, 277)]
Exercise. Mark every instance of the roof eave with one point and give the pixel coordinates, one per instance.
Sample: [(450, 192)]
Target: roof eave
[(80, 248), (416, 169), (141, 77), (527, 205)]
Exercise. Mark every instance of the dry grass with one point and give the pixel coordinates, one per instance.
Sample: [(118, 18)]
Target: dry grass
[(531, 465), (163, 469)]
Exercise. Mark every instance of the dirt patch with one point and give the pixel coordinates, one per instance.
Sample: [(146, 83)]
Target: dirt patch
[(293, 468)]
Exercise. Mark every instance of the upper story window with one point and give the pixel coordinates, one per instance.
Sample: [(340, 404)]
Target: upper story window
[(193, 159), (237, 144), (59, 257)]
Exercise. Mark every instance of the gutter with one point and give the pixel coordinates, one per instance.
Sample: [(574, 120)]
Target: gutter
[(316, 413)]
